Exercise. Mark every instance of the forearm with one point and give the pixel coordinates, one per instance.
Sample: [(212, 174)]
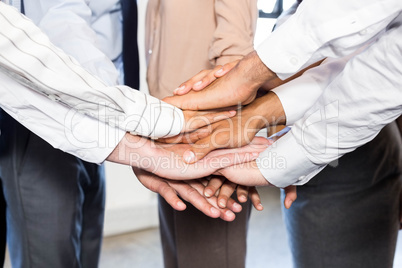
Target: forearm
[(266, 111), (350, 113), (65, 129), (43, 68)]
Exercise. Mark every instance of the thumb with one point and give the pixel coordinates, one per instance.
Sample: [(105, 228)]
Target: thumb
[(290, 196)]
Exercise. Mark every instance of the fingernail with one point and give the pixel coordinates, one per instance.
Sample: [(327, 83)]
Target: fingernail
[(232, 113), (214, 211), (208, 193), (177, 90), (243, 198), (181, 204), (237, 206), (198, 84), (229, 213), (289, 204), (219, 71), (222, 203), (188, 156), (260, 206)]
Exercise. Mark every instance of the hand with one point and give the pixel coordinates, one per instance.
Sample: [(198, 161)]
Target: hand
[(196, 119), (191, 191), (166, 161), (204, 78), (235, 132), (239, 85), (247, 174), (220, 186)]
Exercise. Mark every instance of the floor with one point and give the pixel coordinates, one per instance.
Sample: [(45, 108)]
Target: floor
[(267, 245)]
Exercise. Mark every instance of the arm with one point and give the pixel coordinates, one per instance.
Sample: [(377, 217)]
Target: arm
[(321, 29), (28, 56), (166, 160), (347, 27), (352, 110), (42, 84)]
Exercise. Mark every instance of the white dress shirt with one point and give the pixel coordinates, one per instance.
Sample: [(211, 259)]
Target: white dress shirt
[(53, 96), (90, 31), (357, 101)]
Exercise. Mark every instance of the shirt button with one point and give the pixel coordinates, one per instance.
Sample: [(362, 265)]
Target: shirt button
[(294, 60)]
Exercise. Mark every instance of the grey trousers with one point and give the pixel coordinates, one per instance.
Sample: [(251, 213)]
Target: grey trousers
[(192, 240), (55, 203), (348, 216)]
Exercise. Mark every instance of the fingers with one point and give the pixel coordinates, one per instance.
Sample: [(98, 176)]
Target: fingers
[(226, 191), (213, 186), (218, 139), (225, 68), (226, 213), (255, 198), (197, 82), (189, 137), (171, 197), (159, 185), (193, 196), (242, 193), (195, 120), (290, 196)]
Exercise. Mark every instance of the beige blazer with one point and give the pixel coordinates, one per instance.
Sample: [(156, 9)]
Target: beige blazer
[(184, 37)]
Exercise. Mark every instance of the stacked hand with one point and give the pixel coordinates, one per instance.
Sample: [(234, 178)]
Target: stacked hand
[(222, 118)]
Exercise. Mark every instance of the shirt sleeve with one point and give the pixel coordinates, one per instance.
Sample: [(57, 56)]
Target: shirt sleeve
[(27, 56), (325, 28), (352, 110), (235, 29), (60, 126), (298, 95), (68, 24)]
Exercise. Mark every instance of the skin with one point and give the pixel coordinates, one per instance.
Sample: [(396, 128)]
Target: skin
[(239, 85), (233, 132)]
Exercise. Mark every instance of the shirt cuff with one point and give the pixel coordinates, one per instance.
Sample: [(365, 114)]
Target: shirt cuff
[(284, 53), (90, 139), (285, 163), (297, 96)]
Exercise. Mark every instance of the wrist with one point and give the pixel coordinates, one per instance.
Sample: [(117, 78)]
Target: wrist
[(267, 110), (255, 70)]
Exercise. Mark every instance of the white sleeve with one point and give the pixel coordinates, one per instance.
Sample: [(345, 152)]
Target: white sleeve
[(60, 126), (68, 26), (298, 95), (325, 28), (360, 101), (27, 55)]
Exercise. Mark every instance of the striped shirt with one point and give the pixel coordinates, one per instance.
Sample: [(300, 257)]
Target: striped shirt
[(53, 96)]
